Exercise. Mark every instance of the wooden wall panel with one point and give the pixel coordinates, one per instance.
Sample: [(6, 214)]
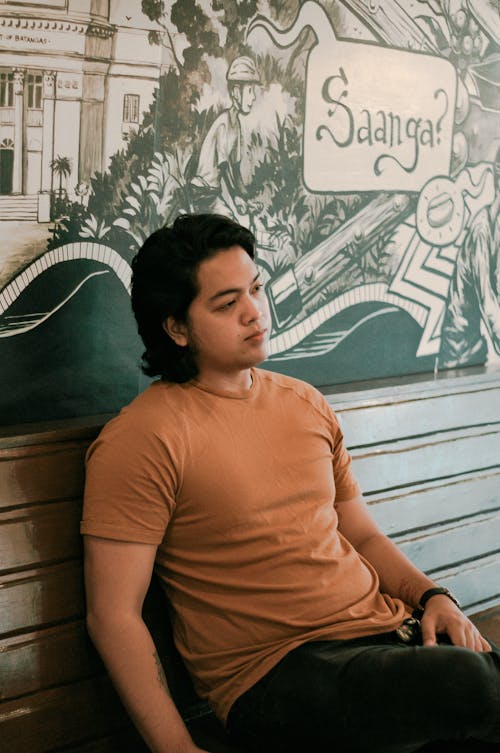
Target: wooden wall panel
[(39, 534), (46, 658), (54, 692), (61, 716), (41, 597), (436, 502), (414, 407), (36, 474), (488, 622), (385, 421), (428, 454), (440, 547), (403, 463), (427, 457), (477, 584)]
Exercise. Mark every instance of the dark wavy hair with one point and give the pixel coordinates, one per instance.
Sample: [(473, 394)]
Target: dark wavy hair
[(164, 283)]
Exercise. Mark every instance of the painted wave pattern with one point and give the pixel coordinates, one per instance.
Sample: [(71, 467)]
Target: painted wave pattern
[(284, 343), (11, 325), (378, 292)]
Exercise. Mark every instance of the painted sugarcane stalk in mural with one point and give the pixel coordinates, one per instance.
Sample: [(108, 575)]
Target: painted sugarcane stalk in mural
[(392, 24), (298, 288)]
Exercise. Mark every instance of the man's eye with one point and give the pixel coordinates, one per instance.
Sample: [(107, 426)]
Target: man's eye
[(258, 287), (226, 306)]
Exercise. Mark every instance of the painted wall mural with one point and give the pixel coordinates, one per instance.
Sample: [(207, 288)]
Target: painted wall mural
[(358, 139)]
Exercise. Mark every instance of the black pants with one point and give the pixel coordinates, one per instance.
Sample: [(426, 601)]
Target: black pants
[(371, 695)]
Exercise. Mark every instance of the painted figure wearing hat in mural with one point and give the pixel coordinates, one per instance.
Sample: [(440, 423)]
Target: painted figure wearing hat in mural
[(474, 294), (218, 185)]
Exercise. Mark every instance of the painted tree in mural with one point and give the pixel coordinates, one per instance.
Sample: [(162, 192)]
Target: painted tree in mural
[(61, 168), (150, 181)]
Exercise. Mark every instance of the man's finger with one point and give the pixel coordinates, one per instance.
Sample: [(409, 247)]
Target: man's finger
[(429, 637)]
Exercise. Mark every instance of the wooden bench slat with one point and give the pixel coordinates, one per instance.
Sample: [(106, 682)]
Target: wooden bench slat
[(61, 716), (39, 534), (41, 597), (47, 658), (64, 431), (407, 463), (391, 391), (443, 546), (488, 622), (436, 502), (477, 584), (375, 424), (42, 476)]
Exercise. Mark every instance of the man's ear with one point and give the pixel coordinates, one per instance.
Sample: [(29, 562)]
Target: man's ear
[(176, 330)]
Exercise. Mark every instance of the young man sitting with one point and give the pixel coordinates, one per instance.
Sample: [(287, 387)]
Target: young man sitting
[(290, 606)]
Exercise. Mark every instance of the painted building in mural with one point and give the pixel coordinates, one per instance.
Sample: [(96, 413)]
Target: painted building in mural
[(73, 84), (359, 140)]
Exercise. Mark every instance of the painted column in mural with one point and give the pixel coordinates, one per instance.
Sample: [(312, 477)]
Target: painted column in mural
[(17, 172), (48, 129), (97, 57)]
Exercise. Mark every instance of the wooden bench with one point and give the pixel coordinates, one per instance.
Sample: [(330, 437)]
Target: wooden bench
[(427, 454)]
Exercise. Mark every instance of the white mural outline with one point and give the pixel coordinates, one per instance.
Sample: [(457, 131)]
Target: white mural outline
[(70, 252)]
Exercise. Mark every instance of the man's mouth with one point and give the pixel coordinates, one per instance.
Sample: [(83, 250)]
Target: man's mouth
[(258, 335)]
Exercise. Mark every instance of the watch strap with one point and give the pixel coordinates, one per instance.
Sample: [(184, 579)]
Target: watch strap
[(435, 592)]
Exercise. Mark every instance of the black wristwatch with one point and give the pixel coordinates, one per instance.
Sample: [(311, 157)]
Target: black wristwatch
[(434, 592)]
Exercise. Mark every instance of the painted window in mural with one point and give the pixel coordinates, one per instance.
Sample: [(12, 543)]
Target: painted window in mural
[(34, 91), (131, 108), (6, 89), (359, 140)]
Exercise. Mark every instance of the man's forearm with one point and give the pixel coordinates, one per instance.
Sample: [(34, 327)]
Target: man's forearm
[(129, 654), (398, 576)]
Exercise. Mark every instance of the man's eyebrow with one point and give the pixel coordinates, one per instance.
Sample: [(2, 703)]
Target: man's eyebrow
[(231, 291)]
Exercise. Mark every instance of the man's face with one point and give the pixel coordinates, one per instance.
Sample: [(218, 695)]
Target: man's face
[(228, 321), (244, 95)]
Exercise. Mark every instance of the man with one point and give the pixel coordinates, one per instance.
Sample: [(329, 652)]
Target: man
[(291, 607), (473, 305), (218, 185)]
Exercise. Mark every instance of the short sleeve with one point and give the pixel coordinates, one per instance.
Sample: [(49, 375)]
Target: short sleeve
[(130, 485), (346, 486)]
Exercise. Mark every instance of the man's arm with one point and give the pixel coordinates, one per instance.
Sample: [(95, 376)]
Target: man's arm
[(117, 576), (400, 578)]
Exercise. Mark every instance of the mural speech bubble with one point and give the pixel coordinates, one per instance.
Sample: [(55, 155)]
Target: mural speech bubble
[(375, 118)]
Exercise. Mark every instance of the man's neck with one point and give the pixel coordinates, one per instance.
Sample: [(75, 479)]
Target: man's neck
[(237, 382)]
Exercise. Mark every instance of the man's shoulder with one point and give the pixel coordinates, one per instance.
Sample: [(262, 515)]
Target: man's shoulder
[(153, 409), (152, 424), (288, 386)]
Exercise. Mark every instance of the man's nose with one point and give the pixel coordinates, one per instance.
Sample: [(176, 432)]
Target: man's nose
[(252, 310)]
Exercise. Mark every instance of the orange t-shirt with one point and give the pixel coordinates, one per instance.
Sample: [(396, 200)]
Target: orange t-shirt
[(239, 492)]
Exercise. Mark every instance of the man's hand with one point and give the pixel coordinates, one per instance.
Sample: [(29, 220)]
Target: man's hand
[(441, 615)]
